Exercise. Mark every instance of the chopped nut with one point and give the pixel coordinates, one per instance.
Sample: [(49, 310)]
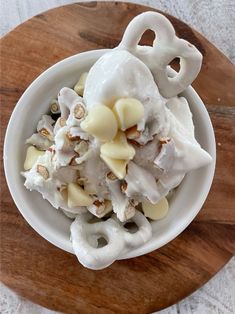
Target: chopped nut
[(62, 121), (132, 133), (44, 132), (72, 137), (79, 111), (123, 186), (164, 140), (98, 203), (45, 127), (118, 148), (55, 108), (111, 176), (100, 208), (43, 171)]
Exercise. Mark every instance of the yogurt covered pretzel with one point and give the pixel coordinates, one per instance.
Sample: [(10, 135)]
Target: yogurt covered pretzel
[(85, 235), (166, 47)]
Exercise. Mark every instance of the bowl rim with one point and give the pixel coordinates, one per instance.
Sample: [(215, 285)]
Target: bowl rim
[(196, 207)]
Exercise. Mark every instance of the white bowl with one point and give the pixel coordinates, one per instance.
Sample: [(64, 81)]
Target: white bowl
[(52, 224)]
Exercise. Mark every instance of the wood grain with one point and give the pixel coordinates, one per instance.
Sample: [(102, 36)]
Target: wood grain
[(48, 276)]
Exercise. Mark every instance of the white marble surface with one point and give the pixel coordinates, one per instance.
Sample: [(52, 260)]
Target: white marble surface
[(216, 20)]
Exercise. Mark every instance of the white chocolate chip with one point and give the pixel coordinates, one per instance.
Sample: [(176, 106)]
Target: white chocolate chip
[(156, 211), (118, 148), (117, 166), (77, 196), (101, 123), (80, 85), (128, 111), (32, 155)]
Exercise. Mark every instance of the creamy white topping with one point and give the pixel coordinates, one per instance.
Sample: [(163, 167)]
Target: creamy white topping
[(120, 145)]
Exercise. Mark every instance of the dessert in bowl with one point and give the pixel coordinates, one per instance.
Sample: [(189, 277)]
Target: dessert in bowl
[(116, 149)]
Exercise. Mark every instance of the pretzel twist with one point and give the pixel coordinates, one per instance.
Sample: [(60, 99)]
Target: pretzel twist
[(166, 47), (85, 235)]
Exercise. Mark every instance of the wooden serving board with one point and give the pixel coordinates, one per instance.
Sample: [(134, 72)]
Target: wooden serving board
[(53, 278)]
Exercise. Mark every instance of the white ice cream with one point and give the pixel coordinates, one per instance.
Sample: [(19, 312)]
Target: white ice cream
[(123, 75)]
